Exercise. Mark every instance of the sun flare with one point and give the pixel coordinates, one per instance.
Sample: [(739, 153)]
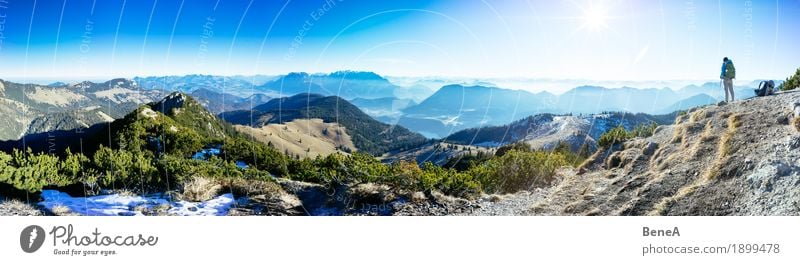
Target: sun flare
[(595, 18)]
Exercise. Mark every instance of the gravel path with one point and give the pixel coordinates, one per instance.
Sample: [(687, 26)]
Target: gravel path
[(515, 204)]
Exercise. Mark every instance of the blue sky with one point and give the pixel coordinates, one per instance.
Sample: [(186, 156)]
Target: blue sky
[(595, 40)]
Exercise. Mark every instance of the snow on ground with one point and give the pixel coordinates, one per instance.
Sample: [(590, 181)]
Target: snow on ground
[(149, 113), (115, 204), (105, 116), (206, 153)]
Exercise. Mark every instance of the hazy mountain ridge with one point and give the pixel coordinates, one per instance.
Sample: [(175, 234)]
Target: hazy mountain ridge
[(241, 86), (220, 102), (344, 84)]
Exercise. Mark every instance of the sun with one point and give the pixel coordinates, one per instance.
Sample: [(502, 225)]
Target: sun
[(595, 18)]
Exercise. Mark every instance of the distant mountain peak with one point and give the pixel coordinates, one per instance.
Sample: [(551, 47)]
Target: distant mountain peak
[(356, 75), (172, 101), (120, 81)]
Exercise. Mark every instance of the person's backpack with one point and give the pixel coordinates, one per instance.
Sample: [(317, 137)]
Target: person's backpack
[(765, 88), (730, 71)]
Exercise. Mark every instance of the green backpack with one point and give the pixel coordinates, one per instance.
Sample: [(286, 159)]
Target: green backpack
[(730, 71)]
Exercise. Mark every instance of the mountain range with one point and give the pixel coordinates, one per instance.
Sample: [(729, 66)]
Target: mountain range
[(344, 84), (456, 107), (32, 109)]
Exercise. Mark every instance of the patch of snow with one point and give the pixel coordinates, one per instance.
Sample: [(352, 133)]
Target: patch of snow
[(216, 206), (206, 153), (149, 113), (113, 205), (91, 108), (450, 121), (55, 96), (105, 116), (488, 144), (83, 124), (172, 128)]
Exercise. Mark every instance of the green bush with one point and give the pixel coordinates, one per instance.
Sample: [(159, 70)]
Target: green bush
[(614, 136), (575, 159), (518, 170), (619, 134), (31, 172), (519, 146), (448, 181), (465, 162), (791, 82), (256, 154)]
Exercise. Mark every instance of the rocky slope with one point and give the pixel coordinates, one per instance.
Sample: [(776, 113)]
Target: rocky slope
[(734, 159)]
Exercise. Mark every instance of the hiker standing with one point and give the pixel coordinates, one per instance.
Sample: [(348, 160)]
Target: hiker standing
[(727, 75)]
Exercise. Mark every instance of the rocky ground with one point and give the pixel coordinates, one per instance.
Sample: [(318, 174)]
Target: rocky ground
[(728, 159)]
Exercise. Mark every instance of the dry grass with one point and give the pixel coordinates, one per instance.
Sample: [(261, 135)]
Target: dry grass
[(679, 134), (418, 197), (725, 148), (708, 132), (662, 207), (725, 142), (698, 115), (242, 187), (18, 207), (200, 189), (125, 192), (61, 210), (713, 171), (705, 137), (796, 123)]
